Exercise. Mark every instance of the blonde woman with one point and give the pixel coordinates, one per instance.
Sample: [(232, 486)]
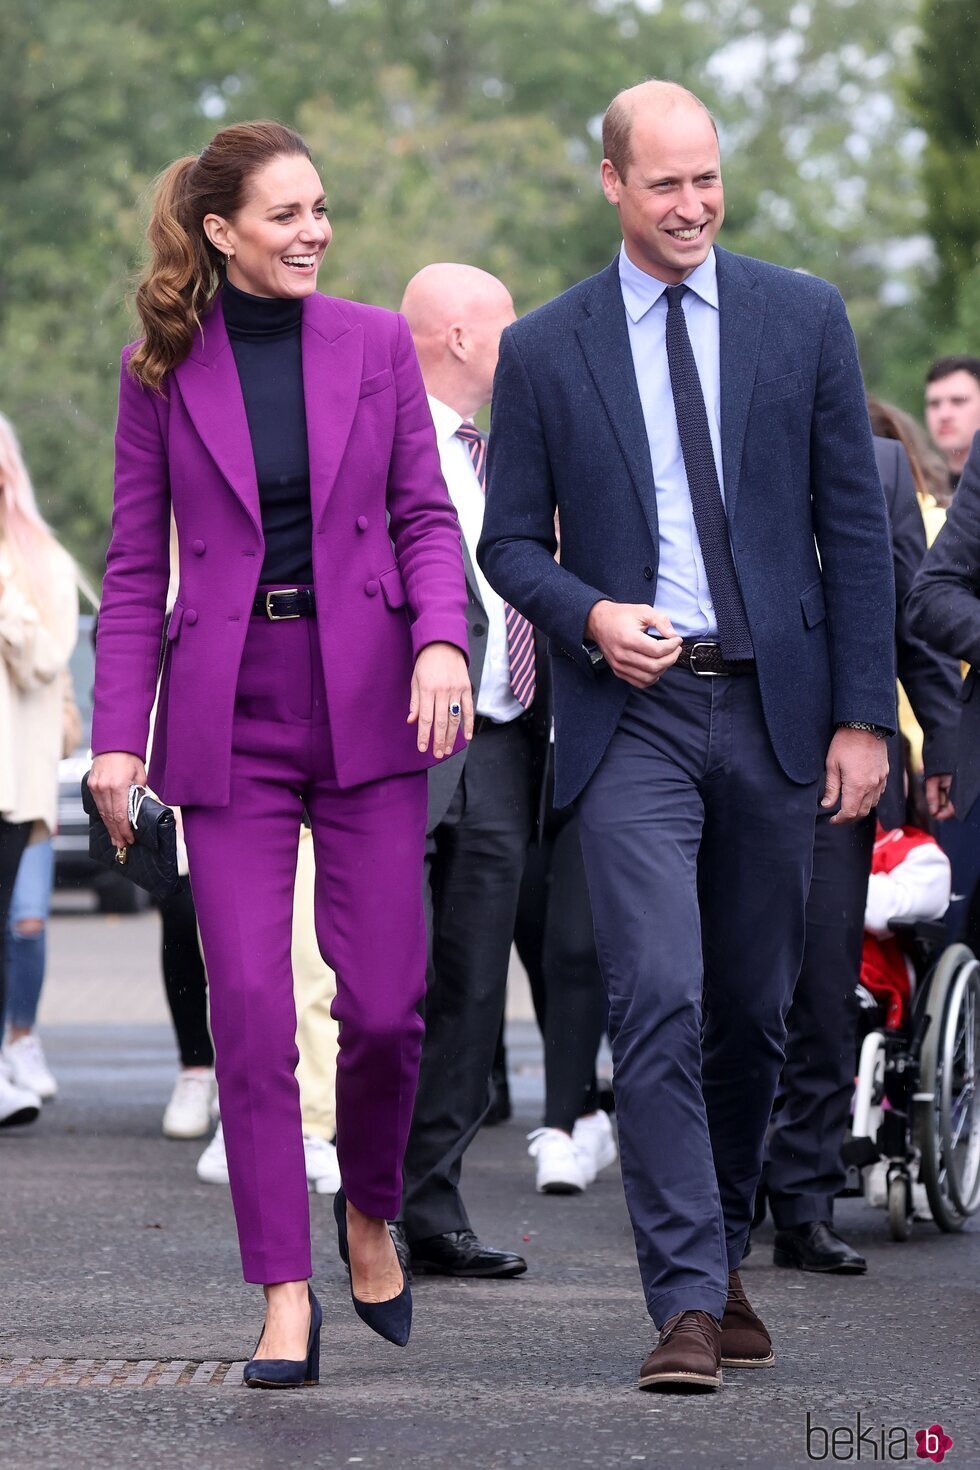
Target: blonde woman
[(38, 625)]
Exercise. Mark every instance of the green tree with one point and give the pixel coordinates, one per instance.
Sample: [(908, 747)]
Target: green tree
[(443, 129), (946, 100)]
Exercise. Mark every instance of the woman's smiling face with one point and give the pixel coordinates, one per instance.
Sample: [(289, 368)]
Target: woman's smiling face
[(275, 243)]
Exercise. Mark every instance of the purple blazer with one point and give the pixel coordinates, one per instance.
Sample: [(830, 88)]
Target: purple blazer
[(387, 558)]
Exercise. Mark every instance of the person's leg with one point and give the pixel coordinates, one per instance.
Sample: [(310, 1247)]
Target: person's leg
[(13, 841), (26, 925), (368, 843), (314, 988), (805, 1171), (576, 1001), (754, 872), (641, 816), (529, 920), (475, 880), (242, 861), (184, 977)]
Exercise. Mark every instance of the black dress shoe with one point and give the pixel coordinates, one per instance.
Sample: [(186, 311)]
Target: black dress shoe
[(459, 1253), (402, 1248), (816, 1246)]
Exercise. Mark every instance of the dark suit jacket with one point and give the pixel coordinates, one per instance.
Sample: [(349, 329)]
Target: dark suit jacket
[(930, 679), (944, 609), (799, 473), (444, 777)]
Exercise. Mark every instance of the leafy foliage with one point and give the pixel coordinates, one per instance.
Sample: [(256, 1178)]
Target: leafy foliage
[(444, 129), (947, 101)]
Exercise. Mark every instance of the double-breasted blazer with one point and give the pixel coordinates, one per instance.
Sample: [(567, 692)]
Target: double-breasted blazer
[(805, 506), (387, 558)]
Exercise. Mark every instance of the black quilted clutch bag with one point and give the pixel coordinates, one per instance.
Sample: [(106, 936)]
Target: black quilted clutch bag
[(151, 861)]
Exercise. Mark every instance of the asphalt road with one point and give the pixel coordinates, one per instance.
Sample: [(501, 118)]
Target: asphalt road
[(111, 1249)]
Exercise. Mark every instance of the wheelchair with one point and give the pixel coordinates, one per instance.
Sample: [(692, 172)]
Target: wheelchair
[(916, 1108)]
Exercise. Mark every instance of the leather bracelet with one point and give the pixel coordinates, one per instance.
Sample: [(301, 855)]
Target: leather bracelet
[(876, 730)]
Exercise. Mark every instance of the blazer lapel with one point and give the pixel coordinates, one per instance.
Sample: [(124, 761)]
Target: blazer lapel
[(604, 338), (333, 352), (742, 309), (212, 394)]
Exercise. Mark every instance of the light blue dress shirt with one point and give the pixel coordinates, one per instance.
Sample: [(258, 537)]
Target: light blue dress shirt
[(682, 584)]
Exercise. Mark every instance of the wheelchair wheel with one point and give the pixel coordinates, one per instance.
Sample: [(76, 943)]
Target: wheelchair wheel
[(899, 1207), (947, 1109)]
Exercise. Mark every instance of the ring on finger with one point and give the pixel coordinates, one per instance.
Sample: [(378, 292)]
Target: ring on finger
[(455, 710)]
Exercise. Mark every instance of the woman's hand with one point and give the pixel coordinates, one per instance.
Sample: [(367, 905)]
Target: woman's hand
[(441, 698), (109, 781)]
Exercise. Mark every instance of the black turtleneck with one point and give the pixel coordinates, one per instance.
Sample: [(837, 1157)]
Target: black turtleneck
[(265, 338)]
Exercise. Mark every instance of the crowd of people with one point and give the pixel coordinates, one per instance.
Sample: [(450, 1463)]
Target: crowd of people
[(617, 685)]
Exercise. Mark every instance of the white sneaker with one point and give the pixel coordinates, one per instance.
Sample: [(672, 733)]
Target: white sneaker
[(17, 1104), (921, 1209), (188, 1113), (212, 1166), (595, 1144), (876, 1185), (322, 1168), (29, 1068), (559, 1165)]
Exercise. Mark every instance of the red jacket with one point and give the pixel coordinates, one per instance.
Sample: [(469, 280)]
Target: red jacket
[(885, 968)]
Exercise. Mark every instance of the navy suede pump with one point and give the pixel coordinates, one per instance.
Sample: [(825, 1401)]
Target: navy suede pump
[(391, 1319), (289, 1372)]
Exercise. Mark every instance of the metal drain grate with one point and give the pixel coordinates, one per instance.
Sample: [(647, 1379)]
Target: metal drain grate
[(117, 1373)]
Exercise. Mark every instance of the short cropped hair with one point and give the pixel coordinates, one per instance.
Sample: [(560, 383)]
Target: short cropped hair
[(617, 129), (944, 367)]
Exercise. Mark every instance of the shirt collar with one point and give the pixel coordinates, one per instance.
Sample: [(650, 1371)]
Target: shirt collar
[(445, 419), (641, 291)]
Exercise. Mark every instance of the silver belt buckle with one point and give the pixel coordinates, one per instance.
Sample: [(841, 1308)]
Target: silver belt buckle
[(280, 617), (704, 673)]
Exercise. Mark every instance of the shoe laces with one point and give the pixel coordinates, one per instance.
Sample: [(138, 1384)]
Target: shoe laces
[(736, 1291), (187, 1081), (543, 1138), (29, 1046), (701, 1324)]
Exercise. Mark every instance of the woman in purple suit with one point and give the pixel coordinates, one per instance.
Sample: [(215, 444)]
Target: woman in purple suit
[(316, 656)]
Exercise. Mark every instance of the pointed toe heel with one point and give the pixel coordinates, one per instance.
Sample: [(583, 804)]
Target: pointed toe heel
[(289, 1372), (392, 1319)]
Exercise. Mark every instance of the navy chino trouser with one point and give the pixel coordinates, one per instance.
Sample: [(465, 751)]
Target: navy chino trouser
[(698, 850)]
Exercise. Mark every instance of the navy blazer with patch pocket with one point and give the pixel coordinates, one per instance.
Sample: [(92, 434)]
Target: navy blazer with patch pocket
[(805, 505)]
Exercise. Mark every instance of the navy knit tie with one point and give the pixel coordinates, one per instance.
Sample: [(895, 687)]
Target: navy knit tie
[(702, 479)]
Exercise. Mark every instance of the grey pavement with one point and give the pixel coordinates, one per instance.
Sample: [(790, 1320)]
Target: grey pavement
[(111, 1249)]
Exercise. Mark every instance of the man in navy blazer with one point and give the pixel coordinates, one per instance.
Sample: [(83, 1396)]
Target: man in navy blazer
[(722, 631)]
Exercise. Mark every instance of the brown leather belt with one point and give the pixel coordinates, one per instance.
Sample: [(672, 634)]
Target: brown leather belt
[(705, 660)]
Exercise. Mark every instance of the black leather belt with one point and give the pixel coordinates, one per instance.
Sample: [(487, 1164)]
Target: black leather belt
[(284, 604), (705, 660)]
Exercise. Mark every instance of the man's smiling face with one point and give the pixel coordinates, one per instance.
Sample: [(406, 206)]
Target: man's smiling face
[(671, 202)]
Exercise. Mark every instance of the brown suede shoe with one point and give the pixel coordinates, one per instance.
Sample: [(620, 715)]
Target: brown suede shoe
[(745, 1343), (688, 1354)]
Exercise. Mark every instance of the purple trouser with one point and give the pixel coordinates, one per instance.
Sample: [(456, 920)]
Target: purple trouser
[(369, 843)]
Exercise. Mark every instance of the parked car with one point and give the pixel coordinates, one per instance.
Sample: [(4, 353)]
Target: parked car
[(73, 868)]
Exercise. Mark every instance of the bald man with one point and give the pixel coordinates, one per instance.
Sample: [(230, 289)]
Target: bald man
[(724, 613), (481, 802)]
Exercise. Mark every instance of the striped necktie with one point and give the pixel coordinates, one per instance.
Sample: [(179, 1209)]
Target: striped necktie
[(520, 634)]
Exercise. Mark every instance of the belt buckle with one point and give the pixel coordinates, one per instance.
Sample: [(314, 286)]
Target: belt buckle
[(280, 617), (704, 673)]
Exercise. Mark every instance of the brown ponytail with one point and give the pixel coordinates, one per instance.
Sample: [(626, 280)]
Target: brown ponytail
[(184, 269)]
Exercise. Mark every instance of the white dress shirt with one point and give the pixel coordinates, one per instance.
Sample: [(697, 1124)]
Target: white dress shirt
[(682, 583), (494, 697)]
